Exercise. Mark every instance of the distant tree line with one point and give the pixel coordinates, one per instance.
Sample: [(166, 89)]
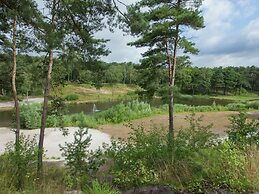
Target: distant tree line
[(190, 80), (32, 69), (218, 80)]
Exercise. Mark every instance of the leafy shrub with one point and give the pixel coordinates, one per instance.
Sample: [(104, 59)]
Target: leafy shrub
[(201, 163), (30, 115), (18, 164), (76, 155), (243, 132), (253, 105), (211, 168), (136, 160), (124, 112), (72, 97), (236, 106), (5, 98)]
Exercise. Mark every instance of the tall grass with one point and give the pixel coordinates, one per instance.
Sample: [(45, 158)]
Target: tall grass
[(123, 112)]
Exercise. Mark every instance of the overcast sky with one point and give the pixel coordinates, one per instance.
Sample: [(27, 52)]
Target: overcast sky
[(231, 36)]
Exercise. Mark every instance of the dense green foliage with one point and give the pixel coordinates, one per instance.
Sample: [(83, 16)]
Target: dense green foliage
[(189, 80), (198, 162), (242, 132), (76, 155), (201, 162), (18, 168)]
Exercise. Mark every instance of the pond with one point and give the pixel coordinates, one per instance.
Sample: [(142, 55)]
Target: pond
[(87, 108)]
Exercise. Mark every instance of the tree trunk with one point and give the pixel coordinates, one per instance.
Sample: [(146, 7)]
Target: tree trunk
[(44, 115), (46, 99), (16, 101), (172, 69)]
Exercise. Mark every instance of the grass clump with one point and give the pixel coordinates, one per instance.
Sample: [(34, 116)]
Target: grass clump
[(97, 188), (71, 97)]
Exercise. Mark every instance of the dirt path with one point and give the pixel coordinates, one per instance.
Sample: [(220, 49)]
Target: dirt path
[(10, 104), (218, 119)]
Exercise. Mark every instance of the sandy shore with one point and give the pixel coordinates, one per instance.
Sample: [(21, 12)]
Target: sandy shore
[(219, 120), (54, 138)]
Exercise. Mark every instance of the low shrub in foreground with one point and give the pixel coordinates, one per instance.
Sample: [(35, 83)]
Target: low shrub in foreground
[(135, 161), (243, 132), (197, 162), (18, 164)]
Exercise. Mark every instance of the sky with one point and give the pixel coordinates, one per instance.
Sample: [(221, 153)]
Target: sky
[(230, 36)]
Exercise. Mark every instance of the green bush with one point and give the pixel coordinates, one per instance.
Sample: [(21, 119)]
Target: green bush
[(197, 162), (119, 113), (135, 161), (124, 112), (243, 132), (18, 164), (30, 115), (253, 105), (236, 107), (210, 168), (71, 97), (5, 98), (76, 155)]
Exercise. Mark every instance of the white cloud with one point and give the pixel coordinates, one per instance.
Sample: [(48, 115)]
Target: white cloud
[(251, 32), (231, 34)]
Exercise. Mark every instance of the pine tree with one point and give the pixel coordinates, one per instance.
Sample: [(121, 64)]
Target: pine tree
[(71, 25), (160, 25), (16, 22)]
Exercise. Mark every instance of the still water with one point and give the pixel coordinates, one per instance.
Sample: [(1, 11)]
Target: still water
[(87, 108)]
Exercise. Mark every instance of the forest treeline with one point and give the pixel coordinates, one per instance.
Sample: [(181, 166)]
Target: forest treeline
[(189, 80)]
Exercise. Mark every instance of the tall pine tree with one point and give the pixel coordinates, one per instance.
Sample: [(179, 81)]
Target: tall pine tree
[(17, 21), (160, 26), (71, 25)]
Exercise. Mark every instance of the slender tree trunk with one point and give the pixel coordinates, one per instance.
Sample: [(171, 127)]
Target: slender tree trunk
[(44, 115), (16, 101), (170, 93), (46, 98), (172, 69)]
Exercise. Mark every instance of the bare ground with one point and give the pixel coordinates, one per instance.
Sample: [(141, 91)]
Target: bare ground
[(220, 121)]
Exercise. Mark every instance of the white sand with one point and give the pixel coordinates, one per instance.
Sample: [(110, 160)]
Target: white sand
[(54, 138)]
